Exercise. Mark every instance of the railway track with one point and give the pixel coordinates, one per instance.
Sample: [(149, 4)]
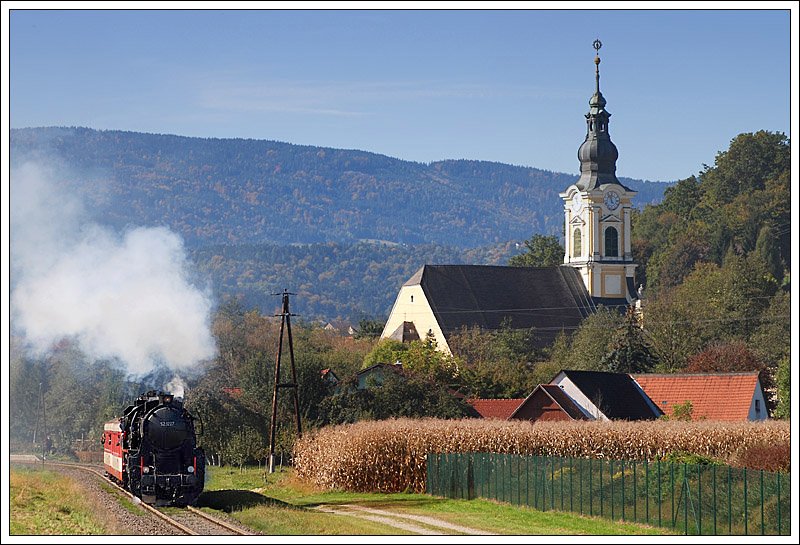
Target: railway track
[(189, 520)]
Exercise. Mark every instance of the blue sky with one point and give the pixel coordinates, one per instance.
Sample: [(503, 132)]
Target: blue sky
[(508, 85)]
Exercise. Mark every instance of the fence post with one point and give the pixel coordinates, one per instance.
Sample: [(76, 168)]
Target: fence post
[(591, 494), (580, 482), (699, 501), (672, 487), (601, 487), (779, 503), (745, 501), (561, 480), (528, 481), (552, 483), (611, 478), (660, 498), (762, 501), (623, 489), (730, 493), (685, 502), (635, 499), (571, 493), (493, 465), (714, 480), (646, 492)]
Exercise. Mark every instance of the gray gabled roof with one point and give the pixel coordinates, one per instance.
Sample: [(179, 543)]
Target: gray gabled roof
[(549, 299), (617, 395)]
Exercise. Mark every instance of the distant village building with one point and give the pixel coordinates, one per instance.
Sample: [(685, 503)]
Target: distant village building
[(607, 396), (598, 395), (713, 396), (499, 409), (340, 328), (548, 403), (598, 264)]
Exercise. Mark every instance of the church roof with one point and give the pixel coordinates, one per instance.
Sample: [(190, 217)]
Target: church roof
[(549, 299)]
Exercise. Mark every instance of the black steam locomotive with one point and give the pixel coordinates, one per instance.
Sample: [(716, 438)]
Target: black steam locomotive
[(152, 451)]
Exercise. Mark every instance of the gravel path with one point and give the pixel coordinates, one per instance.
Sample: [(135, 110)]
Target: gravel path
[(417, 524)]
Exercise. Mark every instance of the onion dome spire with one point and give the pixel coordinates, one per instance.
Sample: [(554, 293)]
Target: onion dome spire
[(598, 154)]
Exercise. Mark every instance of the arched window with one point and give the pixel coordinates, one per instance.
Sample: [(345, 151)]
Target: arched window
[(576, 242), (612, 242)]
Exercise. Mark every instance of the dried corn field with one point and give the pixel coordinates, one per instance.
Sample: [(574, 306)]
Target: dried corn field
[(390, 455)]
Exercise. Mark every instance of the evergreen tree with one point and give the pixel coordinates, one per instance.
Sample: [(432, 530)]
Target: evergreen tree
[(630, 352)]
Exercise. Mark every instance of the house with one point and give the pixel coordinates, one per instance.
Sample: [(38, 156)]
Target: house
[(329, 376), (340, 328), (598, 266), (500, 409), (374, 375), (575, 395), (233, 391), (547, 403), (714, 396), (607, 396)]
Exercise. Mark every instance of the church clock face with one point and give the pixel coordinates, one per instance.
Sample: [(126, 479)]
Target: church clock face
[(612, 200)]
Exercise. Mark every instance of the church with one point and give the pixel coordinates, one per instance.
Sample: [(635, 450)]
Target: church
[(598, 267)]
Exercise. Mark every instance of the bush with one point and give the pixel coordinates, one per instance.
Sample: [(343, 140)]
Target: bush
[(766, 456), (680, 457)]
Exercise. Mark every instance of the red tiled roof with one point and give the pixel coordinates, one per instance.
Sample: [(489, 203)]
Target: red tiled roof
[(233, 391), (495, 408), (714, 396)]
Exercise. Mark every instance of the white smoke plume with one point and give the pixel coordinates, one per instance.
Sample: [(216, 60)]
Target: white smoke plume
[(176, 386), (124, 296)]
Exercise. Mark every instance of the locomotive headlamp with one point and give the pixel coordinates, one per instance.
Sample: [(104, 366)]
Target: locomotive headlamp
[(190, 469)]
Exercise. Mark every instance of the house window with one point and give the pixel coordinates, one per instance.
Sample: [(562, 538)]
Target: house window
[(576, 242), (612, 242), (412, 298), (758, 405)]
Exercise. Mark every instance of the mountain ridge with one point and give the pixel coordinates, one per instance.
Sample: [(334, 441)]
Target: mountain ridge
[(245, 190)]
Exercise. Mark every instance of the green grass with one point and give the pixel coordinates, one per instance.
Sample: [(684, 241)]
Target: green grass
[(44, 502), (279, 504)]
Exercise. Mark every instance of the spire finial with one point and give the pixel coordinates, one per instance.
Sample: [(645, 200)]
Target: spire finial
[(597, 44)]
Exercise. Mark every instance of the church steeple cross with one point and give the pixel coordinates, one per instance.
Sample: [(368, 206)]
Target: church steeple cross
[(597, 44)]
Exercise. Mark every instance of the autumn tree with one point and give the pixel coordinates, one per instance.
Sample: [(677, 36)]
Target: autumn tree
[(540, 251)]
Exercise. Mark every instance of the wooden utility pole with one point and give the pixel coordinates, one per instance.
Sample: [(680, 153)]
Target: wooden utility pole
[(286, 324)]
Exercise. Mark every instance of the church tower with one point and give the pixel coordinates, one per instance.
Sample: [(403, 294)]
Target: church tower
[(597, 212)]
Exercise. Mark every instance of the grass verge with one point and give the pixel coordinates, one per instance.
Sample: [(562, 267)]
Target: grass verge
[(44, 502), (278, 504)]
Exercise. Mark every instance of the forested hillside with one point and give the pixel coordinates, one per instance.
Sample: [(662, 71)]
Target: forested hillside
[(237, 191), (333, 280)]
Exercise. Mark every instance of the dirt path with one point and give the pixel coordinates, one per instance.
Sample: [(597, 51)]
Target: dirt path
[(417, 524)]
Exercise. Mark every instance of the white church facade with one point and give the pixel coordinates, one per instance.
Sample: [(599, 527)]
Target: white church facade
[(598, 267)]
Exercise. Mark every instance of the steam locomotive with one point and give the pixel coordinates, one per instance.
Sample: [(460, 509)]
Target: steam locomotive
[(152, 451)]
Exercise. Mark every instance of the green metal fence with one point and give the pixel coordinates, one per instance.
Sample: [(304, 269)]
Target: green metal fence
[(691, 499)]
